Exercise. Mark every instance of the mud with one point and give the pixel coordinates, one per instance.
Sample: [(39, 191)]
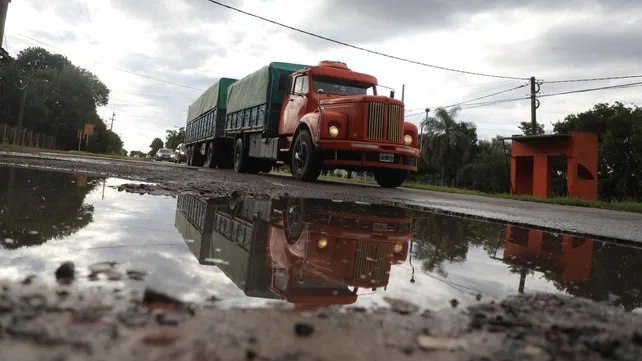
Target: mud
[(65, 322)]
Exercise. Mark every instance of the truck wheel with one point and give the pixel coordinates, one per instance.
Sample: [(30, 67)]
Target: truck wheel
[(241, 161), (211, 160), (306, 164), (390, 178), (189, 156)]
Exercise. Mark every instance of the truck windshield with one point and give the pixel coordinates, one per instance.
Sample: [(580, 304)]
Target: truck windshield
[(330, 85)]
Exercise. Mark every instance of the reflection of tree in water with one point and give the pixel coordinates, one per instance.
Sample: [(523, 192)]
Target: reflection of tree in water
[(614, 270), (439, 239), (36, 206)]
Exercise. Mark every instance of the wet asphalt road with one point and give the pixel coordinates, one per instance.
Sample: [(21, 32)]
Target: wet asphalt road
[(172, 179)]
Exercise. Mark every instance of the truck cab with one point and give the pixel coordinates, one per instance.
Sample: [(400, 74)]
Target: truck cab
[(333, 118)]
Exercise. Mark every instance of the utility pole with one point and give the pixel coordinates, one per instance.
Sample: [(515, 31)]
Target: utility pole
[(113, 115), (534, 104), (4, 8)]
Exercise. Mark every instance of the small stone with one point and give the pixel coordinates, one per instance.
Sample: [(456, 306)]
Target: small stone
[(250, 354), (478, 297), (454, 303), (401, 307), (162, 337), (66, 270), (533, 350), (303, 329), (28, 280), (430, 343)]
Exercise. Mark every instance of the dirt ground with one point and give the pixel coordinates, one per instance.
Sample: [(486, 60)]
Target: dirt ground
[(41, 319)]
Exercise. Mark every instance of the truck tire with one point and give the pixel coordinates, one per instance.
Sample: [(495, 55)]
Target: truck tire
[(390, 178), (211, 157), (241, 160), (197, 157), (189, 156), (306, 164)]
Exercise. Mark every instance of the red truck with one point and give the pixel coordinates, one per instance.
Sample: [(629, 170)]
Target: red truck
[(311, 118), (307, 252)]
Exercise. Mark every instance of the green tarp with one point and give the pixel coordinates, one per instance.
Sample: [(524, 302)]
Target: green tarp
[(260, 87), (214, 96)]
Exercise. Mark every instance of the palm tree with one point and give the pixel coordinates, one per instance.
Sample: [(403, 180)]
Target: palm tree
[(445, 142)]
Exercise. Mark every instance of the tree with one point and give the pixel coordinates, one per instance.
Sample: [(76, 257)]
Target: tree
[(527, 128), (489, 171), (134, 153), (174, 137), (61, 97), (619, 131), (447, 143), (157, 144)]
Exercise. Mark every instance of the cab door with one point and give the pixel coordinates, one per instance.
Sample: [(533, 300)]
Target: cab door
[(296, 101)]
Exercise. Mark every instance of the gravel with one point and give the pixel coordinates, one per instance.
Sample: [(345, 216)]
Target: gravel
[(36, 323)]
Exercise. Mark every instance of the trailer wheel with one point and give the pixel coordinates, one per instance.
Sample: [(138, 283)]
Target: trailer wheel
[(241, 161), (390, 178), (306, 164), (211, 160)]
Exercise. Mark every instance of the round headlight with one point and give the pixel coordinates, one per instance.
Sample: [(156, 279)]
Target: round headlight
[(398, 247), (407, 139), (333, 131), (322, 243)]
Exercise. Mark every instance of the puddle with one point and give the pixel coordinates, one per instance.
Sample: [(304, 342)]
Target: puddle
[(291, 252)]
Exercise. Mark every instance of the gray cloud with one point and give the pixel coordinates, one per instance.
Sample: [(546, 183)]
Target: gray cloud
[(371, 21), (577, 51)]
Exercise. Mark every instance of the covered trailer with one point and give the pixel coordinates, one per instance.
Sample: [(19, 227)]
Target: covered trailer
[(204, 132), (254, 106), (254, 102)]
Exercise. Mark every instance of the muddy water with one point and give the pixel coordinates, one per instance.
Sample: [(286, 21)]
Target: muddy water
[(291, 251)]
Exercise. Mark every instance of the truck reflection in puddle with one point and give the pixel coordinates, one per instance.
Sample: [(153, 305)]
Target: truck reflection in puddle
[(309, 252)]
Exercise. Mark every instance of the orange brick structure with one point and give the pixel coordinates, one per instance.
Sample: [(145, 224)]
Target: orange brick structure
[(567, 256), (533, 156)]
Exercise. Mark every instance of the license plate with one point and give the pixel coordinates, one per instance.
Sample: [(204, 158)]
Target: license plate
[(386, 157), (380, 227)]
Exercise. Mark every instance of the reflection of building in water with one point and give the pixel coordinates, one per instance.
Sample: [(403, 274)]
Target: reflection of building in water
[(570, 257), (308, 252)]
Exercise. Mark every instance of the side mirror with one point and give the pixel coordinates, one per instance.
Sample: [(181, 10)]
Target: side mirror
[(392, 94)]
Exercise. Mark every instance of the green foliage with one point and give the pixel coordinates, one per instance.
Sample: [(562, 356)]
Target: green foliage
[(174, 137), (156, 144), (527, 128), (61, 97), (134, 153), (619, 130)]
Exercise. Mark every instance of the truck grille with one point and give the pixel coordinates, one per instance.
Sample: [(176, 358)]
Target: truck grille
[(375, 120), (372, 262), (394, 123)]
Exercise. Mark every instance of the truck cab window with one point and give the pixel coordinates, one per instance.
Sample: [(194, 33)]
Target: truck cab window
[(330, 85), (301, 85)]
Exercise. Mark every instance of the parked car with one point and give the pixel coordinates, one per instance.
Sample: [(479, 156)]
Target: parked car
[(164, 154), (180, 154)]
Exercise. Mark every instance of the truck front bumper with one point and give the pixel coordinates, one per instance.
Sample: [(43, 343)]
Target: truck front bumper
[(368, 155)]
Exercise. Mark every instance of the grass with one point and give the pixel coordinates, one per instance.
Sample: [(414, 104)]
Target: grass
[(23, 149), (614, 205)]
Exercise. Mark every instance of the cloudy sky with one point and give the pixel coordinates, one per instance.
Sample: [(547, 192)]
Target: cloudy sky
[(157, 56)]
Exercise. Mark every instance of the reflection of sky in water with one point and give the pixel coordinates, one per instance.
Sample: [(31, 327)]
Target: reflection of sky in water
[(139, 231)]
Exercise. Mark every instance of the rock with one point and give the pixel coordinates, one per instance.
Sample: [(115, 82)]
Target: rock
[(430, 343), (401, 307), (66, 271), (303, 329), (454, 303)]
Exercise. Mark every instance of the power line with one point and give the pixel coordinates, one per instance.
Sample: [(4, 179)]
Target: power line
[(593, 79), (117, 68), (361, 48), (619, 86), (486, 96)]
